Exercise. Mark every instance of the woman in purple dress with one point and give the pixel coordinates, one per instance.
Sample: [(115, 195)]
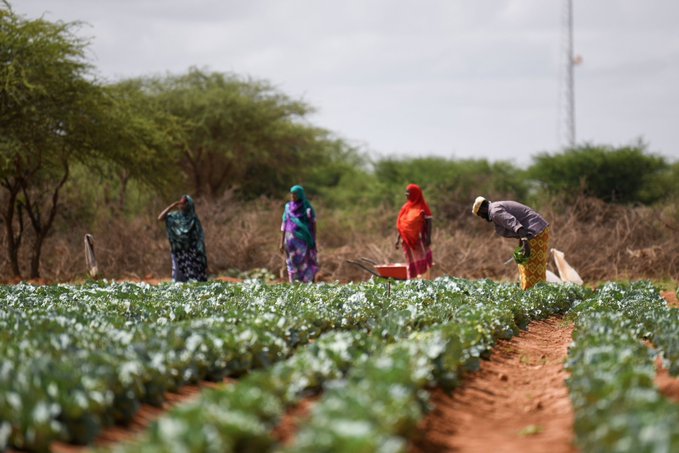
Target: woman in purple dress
[(298, 237)]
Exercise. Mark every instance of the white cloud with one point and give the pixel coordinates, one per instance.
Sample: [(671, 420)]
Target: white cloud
[(448, 77)]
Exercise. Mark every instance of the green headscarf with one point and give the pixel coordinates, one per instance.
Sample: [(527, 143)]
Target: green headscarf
[(296, 212), (184, 229)]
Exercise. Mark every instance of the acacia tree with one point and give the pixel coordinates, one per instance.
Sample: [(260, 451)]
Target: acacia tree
[(241, 133), (54, 113), (141, 140), (42, 66)]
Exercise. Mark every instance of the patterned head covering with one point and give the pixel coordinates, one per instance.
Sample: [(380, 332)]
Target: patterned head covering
[(296, 213), (184, 229)]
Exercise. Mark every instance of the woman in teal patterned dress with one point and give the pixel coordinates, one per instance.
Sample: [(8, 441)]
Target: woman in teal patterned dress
[(187, 241)]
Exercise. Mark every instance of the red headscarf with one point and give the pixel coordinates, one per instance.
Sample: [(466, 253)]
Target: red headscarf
[(410, 222)]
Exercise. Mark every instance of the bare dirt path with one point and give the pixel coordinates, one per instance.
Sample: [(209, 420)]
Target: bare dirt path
[(293, 419), (667, 384), (517, 402), (671, 298)]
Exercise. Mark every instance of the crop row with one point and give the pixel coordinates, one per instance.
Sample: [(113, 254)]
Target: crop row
[(652, 319), (373, 381), (617, 406), (79, 358)]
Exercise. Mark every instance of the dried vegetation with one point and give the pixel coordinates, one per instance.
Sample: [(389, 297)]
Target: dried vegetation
[(601, 241)]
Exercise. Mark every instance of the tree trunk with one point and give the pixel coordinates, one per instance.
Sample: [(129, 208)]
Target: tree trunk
[(194, 163), (221, 170), (41, 229), (13, 254), (35, 257), (13, 238), (122, 195)]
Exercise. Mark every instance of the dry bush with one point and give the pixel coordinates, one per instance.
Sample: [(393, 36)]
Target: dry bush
[(604, 241), (601, 241)]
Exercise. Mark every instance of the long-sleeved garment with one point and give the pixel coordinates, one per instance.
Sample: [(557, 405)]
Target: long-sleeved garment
[(510, 216), (187, 243), (411, 225), (299, 227)]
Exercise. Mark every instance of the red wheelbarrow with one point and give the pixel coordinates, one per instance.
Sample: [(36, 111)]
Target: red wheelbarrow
[(397, 271), (390, 271)]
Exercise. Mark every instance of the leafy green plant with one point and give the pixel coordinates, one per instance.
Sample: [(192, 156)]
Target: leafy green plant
[(374, 372), (617, 406), (519, 257), (79, 358)]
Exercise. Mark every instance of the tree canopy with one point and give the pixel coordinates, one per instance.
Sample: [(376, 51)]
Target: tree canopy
[(242, 134), (626, 174), (54, 114), (63, 131)]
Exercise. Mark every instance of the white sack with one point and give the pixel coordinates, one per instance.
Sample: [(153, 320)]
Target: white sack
[(566, 272), (552, 277)]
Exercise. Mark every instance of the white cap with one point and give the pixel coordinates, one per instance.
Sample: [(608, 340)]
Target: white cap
[(477, 204)]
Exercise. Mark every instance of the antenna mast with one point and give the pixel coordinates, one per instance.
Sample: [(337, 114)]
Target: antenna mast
[(567, 91)]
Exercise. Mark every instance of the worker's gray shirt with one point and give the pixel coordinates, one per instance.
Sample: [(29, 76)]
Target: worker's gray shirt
[(509, 216)]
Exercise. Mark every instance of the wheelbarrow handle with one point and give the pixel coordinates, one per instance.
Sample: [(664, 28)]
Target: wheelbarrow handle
[(364, 267), (369, 261)]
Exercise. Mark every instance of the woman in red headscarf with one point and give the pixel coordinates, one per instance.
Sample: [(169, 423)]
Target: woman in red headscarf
[(414, 232)]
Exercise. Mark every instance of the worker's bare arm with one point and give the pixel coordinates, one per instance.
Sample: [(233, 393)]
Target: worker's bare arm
[(163, 214)]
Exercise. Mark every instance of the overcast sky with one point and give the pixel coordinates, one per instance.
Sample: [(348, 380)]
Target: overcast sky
[(454, 78)]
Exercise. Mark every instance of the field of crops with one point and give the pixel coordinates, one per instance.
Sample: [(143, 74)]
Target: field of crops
[(77, 359)]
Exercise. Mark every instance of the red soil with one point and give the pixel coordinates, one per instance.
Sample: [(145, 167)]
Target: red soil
[(292, 420), (671, 298), (517, 402), (668, 385)]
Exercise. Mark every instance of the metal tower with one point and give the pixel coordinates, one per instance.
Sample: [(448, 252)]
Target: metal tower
[(567, 79)]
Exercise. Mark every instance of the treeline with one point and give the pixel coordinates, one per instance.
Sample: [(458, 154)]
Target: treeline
[(624, 175), (76, 150), (73, 146)]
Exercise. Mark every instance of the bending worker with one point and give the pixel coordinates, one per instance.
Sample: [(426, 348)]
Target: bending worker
[(515, 220)]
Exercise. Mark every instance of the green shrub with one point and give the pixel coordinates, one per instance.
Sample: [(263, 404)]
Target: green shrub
[(627, 174)]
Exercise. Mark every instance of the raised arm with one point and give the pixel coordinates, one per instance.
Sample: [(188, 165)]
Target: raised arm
[(163, 214)]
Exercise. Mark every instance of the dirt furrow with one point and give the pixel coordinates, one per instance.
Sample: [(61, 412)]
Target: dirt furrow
[(517, 402), (671, 298), (293, 419), (667, 384)]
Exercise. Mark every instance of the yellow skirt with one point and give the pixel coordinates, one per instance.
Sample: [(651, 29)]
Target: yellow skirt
[(535, 270)]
